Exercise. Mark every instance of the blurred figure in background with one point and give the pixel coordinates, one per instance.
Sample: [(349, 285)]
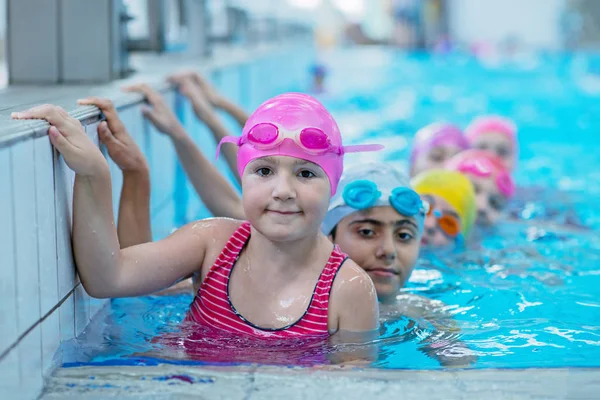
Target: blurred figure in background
[(318, 74), (435, 144), (497, 135), (452, 208), (491, 180)]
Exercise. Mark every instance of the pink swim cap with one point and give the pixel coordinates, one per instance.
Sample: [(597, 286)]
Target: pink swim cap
[(434, 135), (484, 164), (492, 123), (317, 137)]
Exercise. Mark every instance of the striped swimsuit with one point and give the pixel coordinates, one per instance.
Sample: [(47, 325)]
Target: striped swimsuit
[(212, 305)]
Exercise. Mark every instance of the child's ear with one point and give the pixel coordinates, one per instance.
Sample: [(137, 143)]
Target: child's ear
[(330, 237)]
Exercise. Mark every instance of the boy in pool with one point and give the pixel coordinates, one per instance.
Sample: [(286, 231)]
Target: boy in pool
[(497, 135), (287, 184), (491, 180), (435, 144), (452, 207)]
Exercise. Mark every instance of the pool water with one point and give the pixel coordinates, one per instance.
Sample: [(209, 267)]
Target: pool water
[(526, 294)]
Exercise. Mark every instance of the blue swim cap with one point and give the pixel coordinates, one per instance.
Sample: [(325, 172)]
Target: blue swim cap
[(374, 185)]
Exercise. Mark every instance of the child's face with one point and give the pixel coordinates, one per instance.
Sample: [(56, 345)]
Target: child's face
[(490, 202), (384, 243), (498, 144), (285, 198), (434, 158), (433, 234)]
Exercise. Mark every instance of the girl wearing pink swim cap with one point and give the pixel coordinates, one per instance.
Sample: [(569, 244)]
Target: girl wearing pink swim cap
[(435, 144), (273, 276), (491, 180), (497, 135)]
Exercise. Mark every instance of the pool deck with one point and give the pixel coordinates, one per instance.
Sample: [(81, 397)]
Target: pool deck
[(263, 382)]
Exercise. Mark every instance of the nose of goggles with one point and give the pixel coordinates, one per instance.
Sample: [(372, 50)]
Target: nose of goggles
[(312, 140), (362, 194)]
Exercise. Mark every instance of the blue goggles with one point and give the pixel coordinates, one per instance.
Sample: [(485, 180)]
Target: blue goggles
[(362, 194)]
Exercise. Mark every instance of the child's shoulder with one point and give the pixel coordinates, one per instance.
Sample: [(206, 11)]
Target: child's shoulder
[(215, 228), (353, 299), (351, 279)]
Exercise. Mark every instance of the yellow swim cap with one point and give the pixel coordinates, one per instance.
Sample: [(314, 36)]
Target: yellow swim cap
[(455, 188)]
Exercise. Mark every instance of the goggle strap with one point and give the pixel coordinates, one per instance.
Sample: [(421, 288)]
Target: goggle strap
[(362, 147), (227, 139)]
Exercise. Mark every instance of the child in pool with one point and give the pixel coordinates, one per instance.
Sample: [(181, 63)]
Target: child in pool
[(384, 235), (452, 207), (491, 180), (435, 144), (287, 185), (378, 217), (497, 135)]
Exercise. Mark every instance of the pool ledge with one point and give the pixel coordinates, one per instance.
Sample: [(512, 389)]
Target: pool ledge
[(253, 382)]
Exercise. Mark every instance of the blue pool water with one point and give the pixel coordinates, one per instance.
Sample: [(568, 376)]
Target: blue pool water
[(525, 295)]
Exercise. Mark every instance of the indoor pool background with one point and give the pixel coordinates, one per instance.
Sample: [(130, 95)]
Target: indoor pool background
[(527, 295)]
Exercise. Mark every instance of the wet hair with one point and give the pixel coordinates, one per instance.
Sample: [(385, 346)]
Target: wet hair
[(333, 232)]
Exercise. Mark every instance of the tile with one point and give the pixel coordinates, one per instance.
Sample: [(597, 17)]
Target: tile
[(116, 176), (64, 179), (25, 222), (9, 375), (82, 309), (8, 289), (229, 83), (66, 318), (50, 331), (30, 364), (162, 167), (246, 87), (96, 305), (46, 224), (134, 122), (162, 221)]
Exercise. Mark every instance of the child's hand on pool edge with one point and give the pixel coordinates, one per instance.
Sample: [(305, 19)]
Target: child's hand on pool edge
[(69, 138), (158, 112), (113, 133)]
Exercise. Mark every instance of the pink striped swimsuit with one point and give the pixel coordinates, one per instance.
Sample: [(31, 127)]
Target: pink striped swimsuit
[(212, 305)]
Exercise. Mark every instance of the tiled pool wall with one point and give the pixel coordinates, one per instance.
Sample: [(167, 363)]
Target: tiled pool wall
[(42, 302)]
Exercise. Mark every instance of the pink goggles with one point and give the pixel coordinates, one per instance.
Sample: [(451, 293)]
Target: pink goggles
[(484, 168), (314, 141)]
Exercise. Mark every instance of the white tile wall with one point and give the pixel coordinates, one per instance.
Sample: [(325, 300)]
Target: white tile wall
[(64, 179), (191, 207), (10, 381), (82, 309), (162, 168), (26, 244), (30, 364), (8, 288), (66, 318), (228, 82), (46, 224), (50, 329)]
